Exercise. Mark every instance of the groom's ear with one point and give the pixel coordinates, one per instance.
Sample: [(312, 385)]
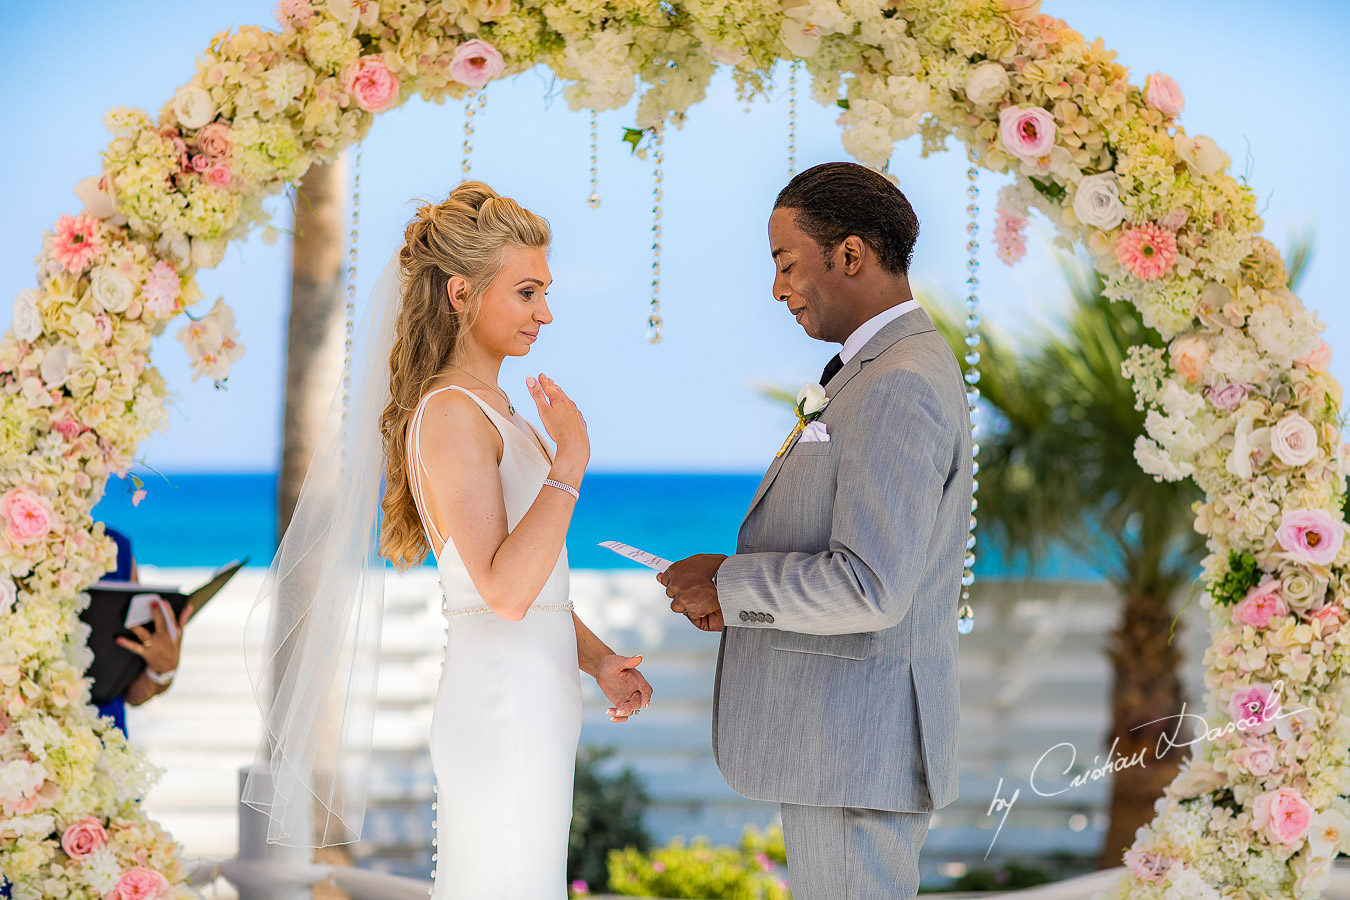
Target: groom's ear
[(855, 251)]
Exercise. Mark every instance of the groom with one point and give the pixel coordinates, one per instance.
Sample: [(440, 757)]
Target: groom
[(836, 690)]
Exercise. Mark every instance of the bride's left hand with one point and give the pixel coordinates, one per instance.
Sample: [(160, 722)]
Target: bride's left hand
[(624, 685)]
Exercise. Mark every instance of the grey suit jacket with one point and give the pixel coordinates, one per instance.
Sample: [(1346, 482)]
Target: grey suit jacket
[(837, 674)]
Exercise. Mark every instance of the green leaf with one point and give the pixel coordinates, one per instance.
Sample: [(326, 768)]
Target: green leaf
[(634, 137), (842, 104), (136, 480), (1049, 189), (1241, 576)]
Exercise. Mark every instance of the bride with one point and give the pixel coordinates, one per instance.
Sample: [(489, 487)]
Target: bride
[(473, 482)]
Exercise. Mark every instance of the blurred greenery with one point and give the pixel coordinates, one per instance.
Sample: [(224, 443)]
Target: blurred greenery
[(607, 813), (700, 871)]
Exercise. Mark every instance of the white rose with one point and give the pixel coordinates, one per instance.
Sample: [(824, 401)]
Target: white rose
[(1201, 154), (208, 254), (27, 320), (1300, 589), (1294, 440), (987, 83), (97, 202), (111, 289), (8, 594), (811, 399), (193, 106), (1097, 202), (57, 365), (175, 248)]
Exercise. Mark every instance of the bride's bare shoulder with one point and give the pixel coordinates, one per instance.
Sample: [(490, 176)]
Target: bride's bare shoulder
[(454, 425)]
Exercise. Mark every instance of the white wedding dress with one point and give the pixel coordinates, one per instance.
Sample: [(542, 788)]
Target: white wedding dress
[(508, 710)]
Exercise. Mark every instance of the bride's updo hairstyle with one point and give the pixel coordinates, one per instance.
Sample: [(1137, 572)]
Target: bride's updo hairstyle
[(464, 236)]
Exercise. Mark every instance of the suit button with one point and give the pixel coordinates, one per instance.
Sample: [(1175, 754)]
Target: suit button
[(768, 618), (745, 616), (761, 617)]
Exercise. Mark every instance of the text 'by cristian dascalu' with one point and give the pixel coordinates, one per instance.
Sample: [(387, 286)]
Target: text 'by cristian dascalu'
[(1062, 758)]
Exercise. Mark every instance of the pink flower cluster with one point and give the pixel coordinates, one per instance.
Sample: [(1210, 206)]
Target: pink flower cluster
[(1262, 603), (1148, 251), (1010, 235), (162, 288)]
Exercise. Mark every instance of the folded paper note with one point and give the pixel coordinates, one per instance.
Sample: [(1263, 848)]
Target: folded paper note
[(637, 556)]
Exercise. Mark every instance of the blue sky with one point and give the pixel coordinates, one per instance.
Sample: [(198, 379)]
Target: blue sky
[(1263, 80)]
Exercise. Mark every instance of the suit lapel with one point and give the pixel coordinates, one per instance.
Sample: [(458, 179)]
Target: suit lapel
[(915, 322)]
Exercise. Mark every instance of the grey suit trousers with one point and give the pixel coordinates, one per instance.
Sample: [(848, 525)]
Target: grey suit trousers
[(846, 853)]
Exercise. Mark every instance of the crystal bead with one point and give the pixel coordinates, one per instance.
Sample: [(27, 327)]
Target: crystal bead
[(972, 378), (593, 201), (967, 578), (654, 329), (965, 622), (972, 247), (970, 560), (974, 468), (972, 228), (974, 504), (972, 192), (970, 542), (972, 321), (972, 358), (974, 450)]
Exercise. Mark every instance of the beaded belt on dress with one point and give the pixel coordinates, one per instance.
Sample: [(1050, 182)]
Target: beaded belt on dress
[(476, 610)]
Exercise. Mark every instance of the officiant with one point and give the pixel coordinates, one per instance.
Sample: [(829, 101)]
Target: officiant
[(158, 646)]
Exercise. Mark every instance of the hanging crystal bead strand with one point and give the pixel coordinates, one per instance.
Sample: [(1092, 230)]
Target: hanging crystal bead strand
[(350, 327), (654, 323), (965, 622), (475, 97), (792, 119), (593, 201)]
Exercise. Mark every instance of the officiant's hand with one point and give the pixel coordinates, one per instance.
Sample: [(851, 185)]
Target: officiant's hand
[(563, 422), (624, 685), (692, 591), (158, 648)]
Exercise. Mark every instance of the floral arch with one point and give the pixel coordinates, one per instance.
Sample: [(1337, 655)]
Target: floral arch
[(1240, 399)]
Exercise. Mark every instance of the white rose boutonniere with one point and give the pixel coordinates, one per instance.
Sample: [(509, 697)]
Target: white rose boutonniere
[(811, 402)]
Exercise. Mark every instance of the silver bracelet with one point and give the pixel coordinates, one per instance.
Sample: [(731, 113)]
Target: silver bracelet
[(160, 678), (576, 495)]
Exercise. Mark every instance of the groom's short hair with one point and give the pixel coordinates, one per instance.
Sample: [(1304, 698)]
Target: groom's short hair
[(835, 200)]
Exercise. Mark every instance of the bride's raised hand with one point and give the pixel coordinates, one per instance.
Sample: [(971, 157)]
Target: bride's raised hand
[(563, 422)]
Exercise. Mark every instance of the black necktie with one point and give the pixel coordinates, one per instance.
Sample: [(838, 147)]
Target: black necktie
[(831, 369)]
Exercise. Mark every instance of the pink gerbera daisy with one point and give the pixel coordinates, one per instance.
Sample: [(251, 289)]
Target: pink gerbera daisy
[(1148, 251), (76, 243)]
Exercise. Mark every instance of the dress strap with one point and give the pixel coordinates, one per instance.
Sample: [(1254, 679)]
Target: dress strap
[(415, 458)]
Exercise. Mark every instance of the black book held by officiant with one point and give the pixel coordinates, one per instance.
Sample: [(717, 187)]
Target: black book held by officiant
[(114, 668)]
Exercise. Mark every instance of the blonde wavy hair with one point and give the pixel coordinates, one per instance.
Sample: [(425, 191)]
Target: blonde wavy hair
[(464, 236)]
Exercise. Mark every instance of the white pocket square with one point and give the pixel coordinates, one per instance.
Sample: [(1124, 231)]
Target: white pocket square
[(815, 433)]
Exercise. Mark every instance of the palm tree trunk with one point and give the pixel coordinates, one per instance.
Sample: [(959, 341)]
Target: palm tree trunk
[(1147, 687), (314, 334)]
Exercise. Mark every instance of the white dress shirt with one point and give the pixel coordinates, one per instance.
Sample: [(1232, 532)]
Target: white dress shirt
[(868, 330)]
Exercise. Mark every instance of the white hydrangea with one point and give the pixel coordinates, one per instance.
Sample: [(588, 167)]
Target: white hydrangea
[(101, 871), (1284, 333), (1158, 462), (20, 778)]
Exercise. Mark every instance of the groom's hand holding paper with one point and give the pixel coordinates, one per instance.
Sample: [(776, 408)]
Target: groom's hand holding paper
[(692, 591)]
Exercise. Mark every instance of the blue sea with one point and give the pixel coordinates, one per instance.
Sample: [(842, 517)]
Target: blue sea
[(208, 519)]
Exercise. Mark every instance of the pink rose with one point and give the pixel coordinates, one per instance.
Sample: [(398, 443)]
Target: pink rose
[(1332, 618), (1283, 814), (372, 84), (1228, 397), (28, 516), (1262, 603), (1256, 756), (179, 146), (1189, 356), (1148, 865), (200, 162), (219, 175), (1317, 359), (1163, 94), (83, 838), (103, 324), (476, 63), (214, 140), (140, 883), (69, 428), (1254, 709), (1309, 535), (1027, 133)]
